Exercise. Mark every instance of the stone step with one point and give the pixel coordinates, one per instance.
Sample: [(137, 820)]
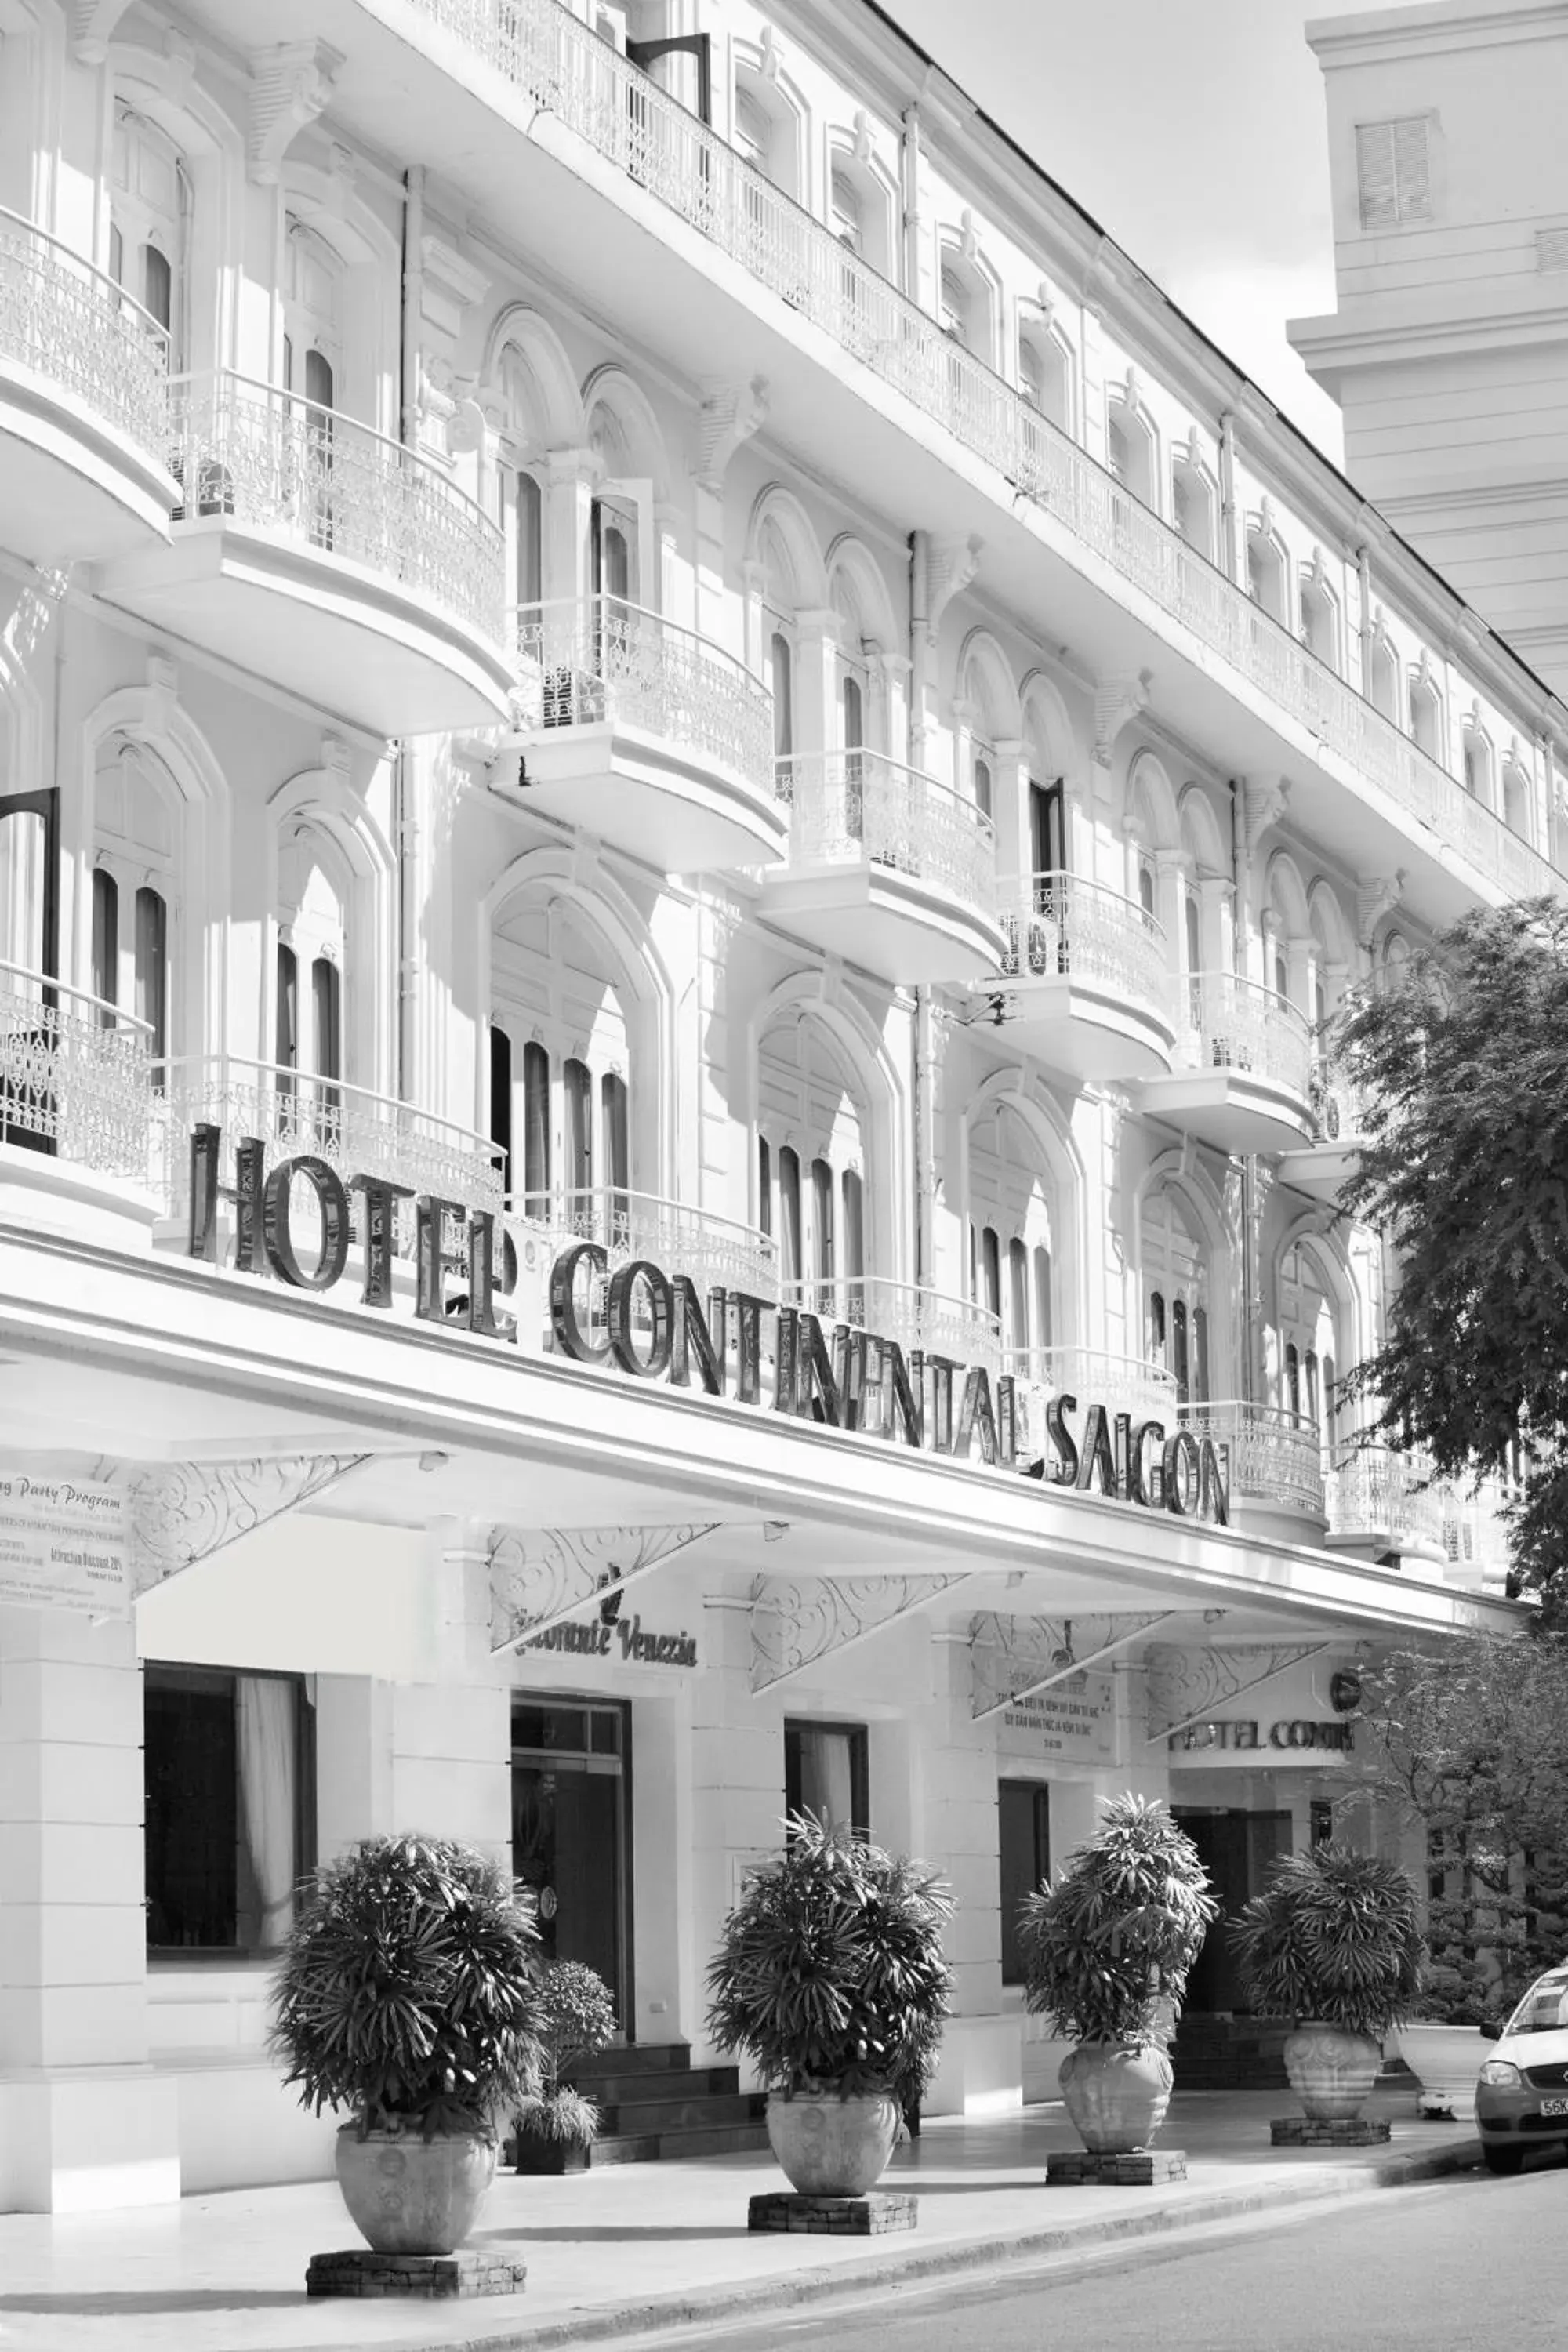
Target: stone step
[(659, 2087), (641, 2116), (635, 2058), (655, 2147)]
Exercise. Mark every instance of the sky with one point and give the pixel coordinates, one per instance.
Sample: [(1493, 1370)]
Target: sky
[(1194, 132)]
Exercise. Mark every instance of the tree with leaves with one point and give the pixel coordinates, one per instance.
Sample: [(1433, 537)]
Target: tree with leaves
[(1464, 1068), (1470, 1742)]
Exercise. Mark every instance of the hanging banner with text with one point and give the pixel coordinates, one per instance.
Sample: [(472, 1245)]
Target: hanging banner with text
[(62, 1545)]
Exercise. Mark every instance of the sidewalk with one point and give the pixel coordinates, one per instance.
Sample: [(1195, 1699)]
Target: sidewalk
[(651, 2245)]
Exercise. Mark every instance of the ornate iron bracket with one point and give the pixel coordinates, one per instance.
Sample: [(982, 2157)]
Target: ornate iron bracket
[(540, 1576), (1186, 1686), (183, 1512), (798, 1621), (1013, 1657)]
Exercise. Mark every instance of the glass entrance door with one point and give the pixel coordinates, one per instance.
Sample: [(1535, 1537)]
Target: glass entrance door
[(570, 1843)]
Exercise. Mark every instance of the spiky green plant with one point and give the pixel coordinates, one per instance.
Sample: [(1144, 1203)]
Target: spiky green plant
[(408, 1991), (1120, 1926), (830, 1971), (1336, 1936), (576, 2020)]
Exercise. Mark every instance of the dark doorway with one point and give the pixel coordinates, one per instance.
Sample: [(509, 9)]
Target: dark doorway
[(1238, 1850), (570, 1844)]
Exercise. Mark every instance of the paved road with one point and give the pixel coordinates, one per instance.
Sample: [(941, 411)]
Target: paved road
[(1468, 2265)]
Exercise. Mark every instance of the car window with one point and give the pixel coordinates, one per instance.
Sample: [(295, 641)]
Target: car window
[(1543, 2010)]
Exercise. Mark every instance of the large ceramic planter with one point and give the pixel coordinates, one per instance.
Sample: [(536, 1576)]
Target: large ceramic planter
[(1446, 2060), (1116, 2094), (829, 2146), (412, 2196), (1331, 2072)]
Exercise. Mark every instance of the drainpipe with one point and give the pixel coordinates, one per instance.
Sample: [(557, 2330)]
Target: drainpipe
[(909, 199), (1229, 539), (925, 1133), (919, 645), (404, 825), (1248, 1383)]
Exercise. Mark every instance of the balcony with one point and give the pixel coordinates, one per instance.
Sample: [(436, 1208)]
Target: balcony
[(1134, 1385), (886, 868), (1324, 1165), (905, 1312), (523, 97), (646, 734), (1475, 1534), (354, 1130), (1243, 1079), (84, 421), (1086, 979), (1384, 1504), (716, 1251), (343, 567), (77, 1113), (1276, 1462)]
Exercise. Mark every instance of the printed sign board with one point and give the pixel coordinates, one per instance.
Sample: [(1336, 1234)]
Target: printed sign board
[(62, 1544)]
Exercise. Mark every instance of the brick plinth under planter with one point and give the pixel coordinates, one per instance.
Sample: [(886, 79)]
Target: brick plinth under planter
[(1306, 2131), (1138, 2167), (437, 2278), (833, 2217)]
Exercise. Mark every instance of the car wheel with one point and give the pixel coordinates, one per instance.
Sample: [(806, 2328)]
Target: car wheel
[(1505, 2161)]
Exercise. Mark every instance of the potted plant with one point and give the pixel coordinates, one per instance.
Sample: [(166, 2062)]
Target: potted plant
[(408, 1994), (1106, 1954), (830, 1977), (1334, 1943), (557, 2126)]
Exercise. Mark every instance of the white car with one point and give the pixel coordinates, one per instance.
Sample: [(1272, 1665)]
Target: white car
[(1521, 2095)]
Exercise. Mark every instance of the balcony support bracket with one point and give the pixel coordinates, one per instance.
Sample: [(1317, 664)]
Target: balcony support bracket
[(1011, 1658), (1186, 1686), (540, 1576), (798, 1621)]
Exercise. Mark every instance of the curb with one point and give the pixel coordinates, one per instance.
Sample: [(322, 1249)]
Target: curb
[(768, 2297)]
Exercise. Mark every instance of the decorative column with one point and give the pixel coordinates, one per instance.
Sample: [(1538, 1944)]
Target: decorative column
[(568, 479), (84, 2123)]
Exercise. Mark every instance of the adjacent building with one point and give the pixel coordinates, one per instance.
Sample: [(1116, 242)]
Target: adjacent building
[(685, 792), (1448, 348)]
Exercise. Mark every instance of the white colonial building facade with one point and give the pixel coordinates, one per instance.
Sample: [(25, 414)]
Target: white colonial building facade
[(627, 644)]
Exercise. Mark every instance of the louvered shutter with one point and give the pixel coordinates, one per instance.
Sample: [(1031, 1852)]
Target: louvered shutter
[(1374, 175), (1410, 169)]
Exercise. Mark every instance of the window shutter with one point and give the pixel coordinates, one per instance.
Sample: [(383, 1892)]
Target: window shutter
[(1411, 169), (1374, 175), (1393, 172)]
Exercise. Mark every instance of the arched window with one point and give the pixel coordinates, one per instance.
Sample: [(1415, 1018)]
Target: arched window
[(312, 317), (1130, 449), (1425, 714), (1192, 506), (500, 1101), (1308, 1338), (1011, 1205), (1320, 618), (811, 1116), (982, 780), (846, 211), (1043, 376), (780, 679), (314, 893), (148, 212), (136, 887), (1383, 681), (536, 1128), (563, 1005), (1293, 1381), (1516, 797), (530, 525), (1265, 571), (1175, 1291), (955, 298), (767, 133)]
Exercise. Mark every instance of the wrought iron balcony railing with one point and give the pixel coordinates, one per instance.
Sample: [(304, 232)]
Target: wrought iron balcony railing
[(353, 1129), (852, 807), (75, 1077), (717, 1252), (563, 67), (250, 453), (1275, 1455), (1129, 1384), (582, 663), (1074, 928), (1373, 1489), (73, 327), (905, 1312), (1233, 1024)]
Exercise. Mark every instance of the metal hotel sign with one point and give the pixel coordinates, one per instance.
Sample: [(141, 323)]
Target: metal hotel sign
[(653, 1327)]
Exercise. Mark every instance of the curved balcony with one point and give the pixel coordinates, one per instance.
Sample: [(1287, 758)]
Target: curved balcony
[(1086, 979), (716, 1251), (1243, 1079), (342, 566), (1276, 1466), (550, 67), (84, 415), (904, 1312), (1134, 1385), (1384, 1503), (79, 1118), (886, 868), (643, 733), (1475, 1534), (355, 1130), (1323, 1166)]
